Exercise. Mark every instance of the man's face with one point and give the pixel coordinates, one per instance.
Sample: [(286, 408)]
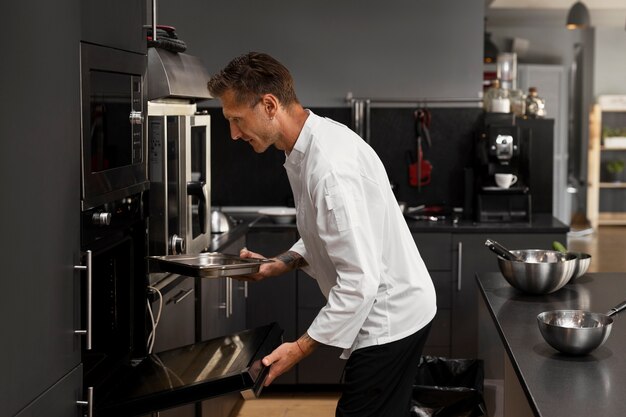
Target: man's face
[(249, 123)]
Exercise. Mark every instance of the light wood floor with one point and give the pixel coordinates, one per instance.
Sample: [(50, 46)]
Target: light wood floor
[(607, 247)]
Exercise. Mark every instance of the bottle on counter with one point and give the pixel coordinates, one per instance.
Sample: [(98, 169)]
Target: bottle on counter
[(496, 99), (518, 102), (535, 105)]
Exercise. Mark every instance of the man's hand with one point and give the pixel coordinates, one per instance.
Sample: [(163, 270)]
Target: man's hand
[(285, 356), (282, 264)]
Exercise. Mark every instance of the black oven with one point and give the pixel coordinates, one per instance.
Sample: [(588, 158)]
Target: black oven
[(113, 140), (113, 236)]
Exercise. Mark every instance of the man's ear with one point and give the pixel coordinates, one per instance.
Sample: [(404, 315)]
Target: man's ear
[(270, 105)]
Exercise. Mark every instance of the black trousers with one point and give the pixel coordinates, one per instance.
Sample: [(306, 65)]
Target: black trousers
[(378, 380)]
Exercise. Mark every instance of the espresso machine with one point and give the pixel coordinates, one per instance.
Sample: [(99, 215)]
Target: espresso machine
[(503, 154)]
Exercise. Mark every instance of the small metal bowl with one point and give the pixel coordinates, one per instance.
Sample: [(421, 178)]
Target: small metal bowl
[(538, 271), (574, 332), (583, 260)]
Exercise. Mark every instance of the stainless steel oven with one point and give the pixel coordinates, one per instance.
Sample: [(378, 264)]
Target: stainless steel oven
[(113, 140), (179, 172)]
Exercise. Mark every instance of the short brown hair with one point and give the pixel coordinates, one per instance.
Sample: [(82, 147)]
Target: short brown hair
[(250, 76)]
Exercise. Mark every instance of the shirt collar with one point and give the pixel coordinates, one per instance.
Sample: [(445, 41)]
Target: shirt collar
[(302, 143)]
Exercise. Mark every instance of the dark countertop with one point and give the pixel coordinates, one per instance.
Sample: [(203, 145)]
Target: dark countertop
[(557, 385), (541, 223)]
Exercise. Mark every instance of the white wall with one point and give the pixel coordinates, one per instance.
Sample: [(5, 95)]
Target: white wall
[(610, 61)]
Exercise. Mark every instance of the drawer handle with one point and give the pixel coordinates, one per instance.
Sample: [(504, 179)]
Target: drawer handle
[(459, 274), (88, 403), (182, 296)]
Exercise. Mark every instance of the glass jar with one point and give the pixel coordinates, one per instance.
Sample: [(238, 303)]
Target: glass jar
[(496, 99), (506, 69), (518, 102), (535, 105)]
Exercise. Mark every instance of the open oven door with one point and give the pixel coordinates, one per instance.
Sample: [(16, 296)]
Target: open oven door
[(192, 373)]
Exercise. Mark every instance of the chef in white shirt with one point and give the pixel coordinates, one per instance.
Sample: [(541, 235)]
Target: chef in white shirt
[(354, 240)]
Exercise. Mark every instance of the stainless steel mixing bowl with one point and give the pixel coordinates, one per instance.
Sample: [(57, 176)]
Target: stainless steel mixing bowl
[(583, 260), (538, 271), (576, 332)]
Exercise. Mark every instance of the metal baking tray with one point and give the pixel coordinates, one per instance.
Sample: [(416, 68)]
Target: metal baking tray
[(206, 265)]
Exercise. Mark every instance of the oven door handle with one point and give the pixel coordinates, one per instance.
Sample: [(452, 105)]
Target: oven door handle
[(198, 189), (88, 310)]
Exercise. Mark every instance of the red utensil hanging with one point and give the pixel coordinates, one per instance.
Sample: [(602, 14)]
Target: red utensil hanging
[(420, 170)]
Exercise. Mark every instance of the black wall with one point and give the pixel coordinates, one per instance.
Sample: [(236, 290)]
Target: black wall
[(241, 177)]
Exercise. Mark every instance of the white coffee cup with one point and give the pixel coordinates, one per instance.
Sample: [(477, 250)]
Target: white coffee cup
[(505, 180)]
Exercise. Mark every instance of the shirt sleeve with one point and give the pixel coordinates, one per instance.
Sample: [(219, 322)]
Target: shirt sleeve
[(351, 236), (300, 249)]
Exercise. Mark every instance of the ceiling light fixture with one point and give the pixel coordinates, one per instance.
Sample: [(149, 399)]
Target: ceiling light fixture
[(578, 16)]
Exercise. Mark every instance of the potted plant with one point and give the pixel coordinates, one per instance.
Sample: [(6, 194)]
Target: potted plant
[(615, 168)]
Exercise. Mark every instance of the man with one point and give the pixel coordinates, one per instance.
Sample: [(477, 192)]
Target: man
[(354, 240)]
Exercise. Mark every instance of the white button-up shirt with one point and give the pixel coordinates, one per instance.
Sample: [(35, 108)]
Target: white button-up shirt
[(355, 240)]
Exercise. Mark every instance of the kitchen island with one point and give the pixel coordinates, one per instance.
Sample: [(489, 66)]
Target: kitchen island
[(538, 380)]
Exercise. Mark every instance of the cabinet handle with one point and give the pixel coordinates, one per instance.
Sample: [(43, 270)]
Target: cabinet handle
[(87, 331), (89, 402), (229, 287), (183, 295), (244, 289), (459, 273), (227, 305)]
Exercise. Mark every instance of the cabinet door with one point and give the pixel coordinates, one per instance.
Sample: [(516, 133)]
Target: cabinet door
[(222, 309), (471, 257), (434, 249), (323, 366), (176, 326), (40, 209), (126, 33), (274, 299), (60, 399)]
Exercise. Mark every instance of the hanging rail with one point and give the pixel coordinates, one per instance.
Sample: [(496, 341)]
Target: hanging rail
[(361, 107)]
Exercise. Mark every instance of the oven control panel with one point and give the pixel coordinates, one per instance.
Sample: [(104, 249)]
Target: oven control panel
[(111, 218)]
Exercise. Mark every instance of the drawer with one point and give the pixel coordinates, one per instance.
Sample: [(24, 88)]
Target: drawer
[(443, 287), (440, 330), (435, 249)]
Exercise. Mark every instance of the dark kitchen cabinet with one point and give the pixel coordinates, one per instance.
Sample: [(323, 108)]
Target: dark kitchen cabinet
[(323, 366), (115, 24), (176, 326), (60, 399), (222, 304), (452, 260), (40, 210), (274, 299), (470, 256), (435, 252), (222, 310), (293, 300)]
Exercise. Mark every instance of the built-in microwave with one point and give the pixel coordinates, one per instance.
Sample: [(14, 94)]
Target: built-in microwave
[(113, 138)]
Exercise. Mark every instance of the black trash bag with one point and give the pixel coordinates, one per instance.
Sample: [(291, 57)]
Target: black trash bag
[(448, 388)]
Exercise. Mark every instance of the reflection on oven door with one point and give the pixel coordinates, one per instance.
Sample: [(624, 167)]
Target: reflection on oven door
[(203, 370)]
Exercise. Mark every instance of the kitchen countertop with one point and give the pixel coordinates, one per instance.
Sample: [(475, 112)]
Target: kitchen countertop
[(554, 384), (541, 223)]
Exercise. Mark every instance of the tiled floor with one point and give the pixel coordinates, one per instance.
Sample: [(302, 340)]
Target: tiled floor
[(607, 247)]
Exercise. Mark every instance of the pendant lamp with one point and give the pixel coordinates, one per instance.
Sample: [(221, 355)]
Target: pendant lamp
[(578, 16)]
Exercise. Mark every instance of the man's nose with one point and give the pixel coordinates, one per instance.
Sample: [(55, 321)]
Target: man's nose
[(235, 133)]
